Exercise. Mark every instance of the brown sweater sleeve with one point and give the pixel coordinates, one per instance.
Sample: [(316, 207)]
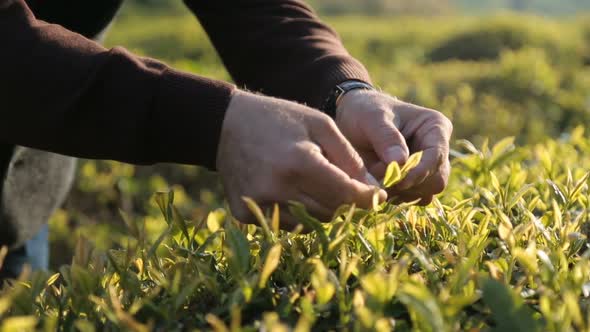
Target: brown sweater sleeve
[(64, 93), (277, 47)]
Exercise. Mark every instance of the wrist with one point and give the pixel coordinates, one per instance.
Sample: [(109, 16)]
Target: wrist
[(333, 100)]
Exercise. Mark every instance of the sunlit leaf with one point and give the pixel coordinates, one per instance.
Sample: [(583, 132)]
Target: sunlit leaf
[(215, 220), (270, 264), (411, 163), (393, 175)]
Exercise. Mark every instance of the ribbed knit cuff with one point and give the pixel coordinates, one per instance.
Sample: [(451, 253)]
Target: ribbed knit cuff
[(187, 118)]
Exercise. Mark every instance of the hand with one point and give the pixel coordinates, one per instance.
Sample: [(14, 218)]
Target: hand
[(383, 129), (276, 151)]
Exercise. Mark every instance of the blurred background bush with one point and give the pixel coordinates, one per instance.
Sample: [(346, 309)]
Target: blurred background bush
[(495, 67)]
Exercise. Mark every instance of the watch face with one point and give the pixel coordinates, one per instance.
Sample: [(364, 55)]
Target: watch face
[(329, 106)]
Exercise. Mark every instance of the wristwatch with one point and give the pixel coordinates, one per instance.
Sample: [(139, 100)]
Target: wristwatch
[(340, 90)]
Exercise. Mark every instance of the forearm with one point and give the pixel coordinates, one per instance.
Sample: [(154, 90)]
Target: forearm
[(64, 93), (278, 47)]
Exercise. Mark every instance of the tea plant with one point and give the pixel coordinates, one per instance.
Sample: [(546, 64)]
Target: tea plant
[(503, 249)]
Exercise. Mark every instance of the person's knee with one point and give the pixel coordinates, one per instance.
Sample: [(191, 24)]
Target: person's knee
[(36, 184)]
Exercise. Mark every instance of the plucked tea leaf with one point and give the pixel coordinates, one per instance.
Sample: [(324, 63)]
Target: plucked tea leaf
[(412, 162), (393, 175)]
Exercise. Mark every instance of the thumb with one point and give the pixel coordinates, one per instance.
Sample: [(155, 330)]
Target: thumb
[(387, 141), (339, 151)]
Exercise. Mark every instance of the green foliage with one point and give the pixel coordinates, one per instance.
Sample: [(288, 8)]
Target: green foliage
[(540, 88), (488, 40), (505, 248), (542, 7)]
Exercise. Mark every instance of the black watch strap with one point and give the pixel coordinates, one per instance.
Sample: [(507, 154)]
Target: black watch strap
[(332, 102)]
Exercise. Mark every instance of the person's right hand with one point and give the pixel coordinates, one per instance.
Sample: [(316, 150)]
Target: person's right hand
[(276, 151)]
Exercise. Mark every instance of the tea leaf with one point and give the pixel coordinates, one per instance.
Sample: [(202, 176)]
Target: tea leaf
[(412, 162), (420, 301), (18, 324), (272, 262), (237, 249), (393, 175), (508, 314), (215, 220)]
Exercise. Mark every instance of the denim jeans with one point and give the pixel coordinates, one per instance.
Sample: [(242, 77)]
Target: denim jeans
[(35, 253)]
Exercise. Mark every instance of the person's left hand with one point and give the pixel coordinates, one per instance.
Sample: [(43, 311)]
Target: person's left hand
[(383, 129)]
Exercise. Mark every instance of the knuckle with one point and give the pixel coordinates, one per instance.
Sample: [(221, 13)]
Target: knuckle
[(295, 158), (348, 197), (443, 121), (385, 134), (286, 168), (447, 123), (355, 165), (324, 123), (381, 127), (443, 134)]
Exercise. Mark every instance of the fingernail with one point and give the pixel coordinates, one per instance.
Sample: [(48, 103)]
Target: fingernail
[(371, 180), (394, 153), (382, 195)]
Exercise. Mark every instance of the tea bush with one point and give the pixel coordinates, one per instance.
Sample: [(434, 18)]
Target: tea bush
[(504, 248), (487, 40)]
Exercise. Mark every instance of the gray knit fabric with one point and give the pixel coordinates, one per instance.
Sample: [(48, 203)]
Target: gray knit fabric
[(36, 185)]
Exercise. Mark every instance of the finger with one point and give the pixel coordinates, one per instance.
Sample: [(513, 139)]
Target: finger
[(338, 149), (378, 170), (314, 208), (433, 158), (428, 164), (387, 141), (432, 138), (244, 215), (329, 185), (422, 200), (373, 163), (425, 191)]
